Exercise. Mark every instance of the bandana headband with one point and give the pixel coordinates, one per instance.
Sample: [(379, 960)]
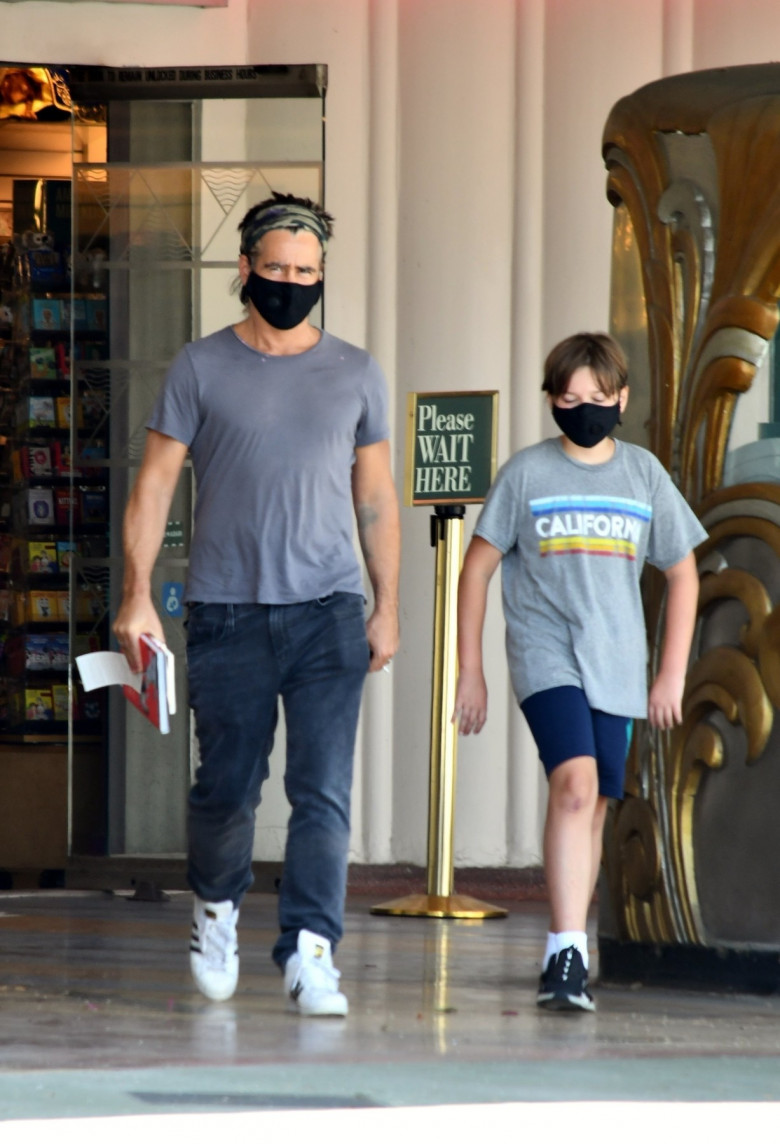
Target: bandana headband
[(283, 216)]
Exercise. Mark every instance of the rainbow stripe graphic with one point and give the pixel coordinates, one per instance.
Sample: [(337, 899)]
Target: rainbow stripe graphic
[(593, 525)]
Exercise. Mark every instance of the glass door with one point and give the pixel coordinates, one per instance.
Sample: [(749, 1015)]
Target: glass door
[(161, 179)]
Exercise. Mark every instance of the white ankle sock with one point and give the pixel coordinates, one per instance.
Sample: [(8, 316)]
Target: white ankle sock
[(563, 940)]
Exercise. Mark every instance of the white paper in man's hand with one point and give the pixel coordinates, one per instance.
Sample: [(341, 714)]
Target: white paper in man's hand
[(103, 668)]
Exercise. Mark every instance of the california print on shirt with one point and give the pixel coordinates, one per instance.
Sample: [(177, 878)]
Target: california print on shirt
[(595, 525)]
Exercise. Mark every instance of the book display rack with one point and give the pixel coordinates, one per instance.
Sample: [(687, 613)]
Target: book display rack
[(53, 484)]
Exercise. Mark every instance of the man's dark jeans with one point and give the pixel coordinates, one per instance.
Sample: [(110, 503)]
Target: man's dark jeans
[(241, 658)]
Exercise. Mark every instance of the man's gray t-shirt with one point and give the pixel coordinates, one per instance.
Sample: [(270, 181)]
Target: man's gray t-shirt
[(272, 440), (574, 538)]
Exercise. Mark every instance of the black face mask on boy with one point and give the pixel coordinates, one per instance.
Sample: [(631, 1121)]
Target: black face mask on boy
[(587, 424), (284, 305)]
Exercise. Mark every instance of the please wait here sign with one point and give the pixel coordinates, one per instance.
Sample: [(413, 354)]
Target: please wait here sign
[(450, 447)]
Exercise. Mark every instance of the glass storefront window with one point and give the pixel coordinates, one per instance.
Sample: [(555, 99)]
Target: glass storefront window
[(157, 169)]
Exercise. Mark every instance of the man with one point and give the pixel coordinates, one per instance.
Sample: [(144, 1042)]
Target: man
[(287, 429)]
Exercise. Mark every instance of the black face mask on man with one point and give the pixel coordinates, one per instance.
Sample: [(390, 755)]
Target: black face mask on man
[(587, 424), (284, 305)]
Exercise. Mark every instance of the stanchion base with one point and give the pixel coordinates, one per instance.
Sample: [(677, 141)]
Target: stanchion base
[(434, 906)]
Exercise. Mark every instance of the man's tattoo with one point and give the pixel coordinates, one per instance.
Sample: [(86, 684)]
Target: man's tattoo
[(366, 516)]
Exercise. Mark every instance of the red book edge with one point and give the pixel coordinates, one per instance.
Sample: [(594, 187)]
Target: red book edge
[(151, 697)]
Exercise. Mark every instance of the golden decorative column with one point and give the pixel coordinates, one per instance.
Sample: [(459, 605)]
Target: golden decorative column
[(693, 166)]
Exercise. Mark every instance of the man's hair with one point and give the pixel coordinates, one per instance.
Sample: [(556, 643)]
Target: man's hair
[(322, 221), (283, 212), (599, 352)]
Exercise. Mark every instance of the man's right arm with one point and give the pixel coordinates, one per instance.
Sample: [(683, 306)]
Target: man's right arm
[(143, 532)]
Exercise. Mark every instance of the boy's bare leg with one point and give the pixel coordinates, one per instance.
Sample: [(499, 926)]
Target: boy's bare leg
[(573, 812), (598, 842), (569, 846)]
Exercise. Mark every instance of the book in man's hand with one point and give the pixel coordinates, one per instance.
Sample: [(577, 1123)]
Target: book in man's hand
[(152, 690)]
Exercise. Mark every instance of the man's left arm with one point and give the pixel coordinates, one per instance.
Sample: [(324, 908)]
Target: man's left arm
[(379, 530)]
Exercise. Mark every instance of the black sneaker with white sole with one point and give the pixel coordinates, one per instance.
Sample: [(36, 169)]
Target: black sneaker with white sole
[(564, 984)]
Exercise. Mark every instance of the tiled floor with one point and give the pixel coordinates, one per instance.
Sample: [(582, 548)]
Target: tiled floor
[(98, 1017)]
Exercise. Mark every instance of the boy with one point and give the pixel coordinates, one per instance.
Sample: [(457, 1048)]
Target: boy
[(573, 519)]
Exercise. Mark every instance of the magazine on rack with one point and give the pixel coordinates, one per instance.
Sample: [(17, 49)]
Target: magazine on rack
[(152, 690)]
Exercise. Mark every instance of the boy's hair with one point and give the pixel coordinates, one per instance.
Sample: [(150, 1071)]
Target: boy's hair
[(599, 352)]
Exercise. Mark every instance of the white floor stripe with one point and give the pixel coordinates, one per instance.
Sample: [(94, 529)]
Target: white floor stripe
[(642, 1123)]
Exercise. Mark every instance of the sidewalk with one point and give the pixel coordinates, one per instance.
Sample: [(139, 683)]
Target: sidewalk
[(98, 1018)]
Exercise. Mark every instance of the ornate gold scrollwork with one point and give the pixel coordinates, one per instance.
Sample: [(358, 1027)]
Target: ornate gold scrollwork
[(636, 846), (728, 679), (638, 182), (724, 679), (707, 225), (769, 656), (733, 583)]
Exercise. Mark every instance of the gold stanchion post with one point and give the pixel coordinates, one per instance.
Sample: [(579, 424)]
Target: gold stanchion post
[(440, 901)]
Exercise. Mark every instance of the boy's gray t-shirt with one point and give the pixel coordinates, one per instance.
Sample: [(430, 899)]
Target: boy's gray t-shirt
[(574, 538), (272, 441)]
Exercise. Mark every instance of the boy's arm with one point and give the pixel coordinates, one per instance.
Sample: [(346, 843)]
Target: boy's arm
[(665, 702), (144, 528), (481, 561)]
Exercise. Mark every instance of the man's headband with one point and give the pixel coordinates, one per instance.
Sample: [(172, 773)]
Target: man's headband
[(282, 216)]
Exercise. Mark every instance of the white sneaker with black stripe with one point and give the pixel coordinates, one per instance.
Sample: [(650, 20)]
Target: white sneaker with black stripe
[(311, 981), (214, 948)]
